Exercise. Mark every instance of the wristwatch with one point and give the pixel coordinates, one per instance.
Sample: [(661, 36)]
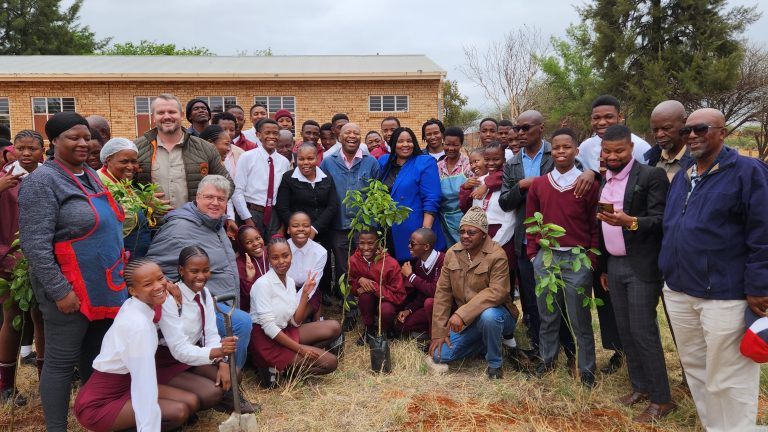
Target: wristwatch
[(634, 225)]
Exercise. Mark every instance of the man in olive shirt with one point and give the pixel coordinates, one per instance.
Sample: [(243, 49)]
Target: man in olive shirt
[(669, 153)]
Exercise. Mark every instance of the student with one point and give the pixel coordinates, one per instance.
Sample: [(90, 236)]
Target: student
[(309, 257), (365, 271), (508, 138), (477, 163), (376, 144), (122, 392), (433, 134), (552, 195), (488, 131), (421, 274), (279, 338), (284, 119), (252, 262), (327, 139), (192, 355)]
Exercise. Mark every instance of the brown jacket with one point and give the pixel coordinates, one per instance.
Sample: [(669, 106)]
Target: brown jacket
[(473, 287)]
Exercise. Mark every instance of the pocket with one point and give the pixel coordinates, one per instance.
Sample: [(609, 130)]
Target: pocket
[(114, 273)]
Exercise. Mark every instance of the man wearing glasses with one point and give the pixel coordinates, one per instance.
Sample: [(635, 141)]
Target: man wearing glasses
[(714, 258)]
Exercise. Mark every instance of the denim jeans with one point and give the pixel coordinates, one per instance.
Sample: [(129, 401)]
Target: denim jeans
[(484, 335), (241, 327)]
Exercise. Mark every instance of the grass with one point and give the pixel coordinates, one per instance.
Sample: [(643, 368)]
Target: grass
[(355, 399)]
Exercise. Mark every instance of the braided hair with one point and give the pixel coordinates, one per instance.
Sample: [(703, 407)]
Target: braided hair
[(190, 252), (28, 133), (132, 266)]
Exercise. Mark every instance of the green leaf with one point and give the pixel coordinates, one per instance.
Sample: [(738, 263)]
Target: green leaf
[(550, 302), (547, 259), (539, 217), (530, 220), (544, 243), (585, 302), (17, 322), (599, 302), (576, 265)]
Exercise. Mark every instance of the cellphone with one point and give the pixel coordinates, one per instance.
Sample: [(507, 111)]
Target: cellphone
[(605, 207)]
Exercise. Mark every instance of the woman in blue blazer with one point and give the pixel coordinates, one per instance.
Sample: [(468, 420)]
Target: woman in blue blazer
[(413, 181)]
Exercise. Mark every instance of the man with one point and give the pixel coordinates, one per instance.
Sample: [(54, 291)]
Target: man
[(285, 144), (327, 139), (631, 229), (488, 130), (240, 140), (310, 133), (669, 153), (337, 123), (198, 115), (226, 121), (258, 177), (172, 158), (257, 113), (388, 126), (100, 124), (507, 136), (714, 258), (432, 132)]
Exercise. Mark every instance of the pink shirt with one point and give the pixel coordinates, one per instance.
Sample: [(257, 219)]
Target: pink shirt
[(348, 163), (613, 192)]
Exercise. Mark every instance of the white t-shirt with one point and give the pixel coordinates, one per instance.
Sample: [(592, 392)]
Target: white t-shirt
[(589, 151)]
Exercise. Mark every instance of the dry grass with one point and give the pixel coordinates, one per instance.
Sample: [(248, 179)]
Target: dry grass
[(354, 399)]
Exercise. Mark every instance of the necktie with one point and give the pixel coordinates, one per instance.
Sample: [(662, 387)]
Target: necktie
[(270, 190), (158, 314), (202, 317)]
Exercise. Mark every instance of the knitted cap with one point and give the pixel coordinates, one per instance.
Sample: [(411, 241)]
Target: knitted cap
[(192, 103), (283, 113), (754, 345), (476, 217)]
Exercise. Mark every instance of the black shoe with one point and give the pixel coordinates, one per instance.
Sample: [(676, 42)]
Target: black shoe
[(588, 380), (267, 377), (614, 364), (518, 361), (337, 346), (494, 373), (30, 359), (7, 395), (350, 322), (227, 403), (365, 337), (544, 368), (571, 365)]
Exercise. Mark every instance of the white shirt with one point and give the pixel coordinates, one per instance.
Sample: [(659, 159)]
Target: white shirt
[(426, 265), (181, 333), (336, 147), (129, 347), (250, 134), (15, 168), (437, 156), (589, 151), (566, 179), (490, 203), (319, 175), (508, 154), (252, 179), (273, 304), (310, 258)]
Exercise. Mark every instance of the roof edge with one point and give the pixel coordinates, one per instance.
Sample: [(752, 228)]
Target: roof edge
[(226, 77)]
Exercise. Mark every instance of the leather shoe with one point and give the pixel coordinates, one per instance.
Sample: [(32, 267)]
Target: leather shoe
[(630, 399), (588, 380), (543, 369), (614, 364), (655, 412), (494, 373), (571, 365)]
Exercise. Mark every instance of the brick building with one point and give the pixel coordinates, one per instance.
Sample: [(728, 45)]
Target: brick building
[(120, 88)]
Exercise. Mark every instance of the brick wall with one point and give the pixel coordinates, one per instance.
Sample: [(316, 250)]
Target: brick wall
[(317, 100)]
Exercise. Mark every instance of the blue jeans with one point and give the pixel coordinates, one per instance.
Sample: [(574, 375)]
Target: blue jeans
[(483, 335), (241, 327)]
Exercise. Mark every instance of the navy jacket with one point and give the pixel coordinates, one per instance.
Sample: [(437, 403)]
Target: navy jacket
[(346, 179), (715, 243)]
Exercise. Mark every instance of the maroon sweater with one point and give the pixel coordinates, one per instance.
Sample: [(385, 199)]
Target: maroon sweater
[(423, 285), (559, 206)]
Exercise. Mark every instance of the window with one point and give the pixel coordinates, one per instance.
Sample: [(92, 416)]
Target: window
[(388, 103), (276, 103), (45, 108), (143, 114), (219, 103), (5, 113)]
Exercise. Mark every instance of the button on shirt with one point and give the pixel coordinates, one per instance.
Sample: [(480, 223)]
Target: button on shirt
[(671, 165), (273, 304), (532, 167), (182, 331), (590, 149), (310, 258), (613, 192), (252, 179), (169, 173)]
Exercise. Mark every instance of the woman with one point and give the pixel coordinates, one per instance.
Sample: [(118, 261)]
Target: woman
[(454, 169), (252, 262), (28, 147), (71, 234), (375, 144), (284, 119), (413, 182), (220, 139), (119, 157)]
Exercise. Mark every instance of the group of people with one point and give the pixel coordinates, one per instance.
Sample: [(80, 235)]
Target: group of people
[(138, 248)]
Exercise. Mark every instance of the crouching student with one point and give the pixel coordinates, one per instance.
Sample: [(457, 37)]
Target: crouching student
[(421, 274), (475, 277), (279, 339), (309, 257), (365, 272), (192, 355), (122, 392)]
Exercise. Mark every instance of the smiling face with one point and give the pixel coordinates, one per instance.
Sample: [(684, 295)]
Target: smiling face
[(285, 123), (477, 163), (195, 272), (374, 141), (94, 154), (123, 164), (564, 151), (604, 116), (258, 113), (616, 154), (72, 145), (29, 152), (387, 128), (280, 258), (488, 132), (211, 201), (148, 285), (419, 247), (223, 144), (350, 139), (709, 144), (452, 147), (285, 145), (239, 117), (494, 159), (404, 146), (299, 228), (434, 138), (166, 115), (253, 243), (367, 244), (306, 161), (310, 133), (268, 135)]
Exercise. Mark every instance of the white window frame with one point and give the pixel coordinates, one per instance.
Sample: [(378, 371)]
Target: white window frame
[(61, 104), (223, 99), (376, 103), (5, 115)]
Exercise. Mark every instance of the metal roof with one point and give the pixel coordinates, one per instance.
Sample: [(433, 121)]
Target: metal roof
[(156, 68)]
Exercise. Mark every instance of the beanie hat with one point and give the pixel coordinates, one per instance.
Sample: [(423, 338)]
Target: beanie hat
[(476, 217), (62, 122), (283, 113), (755, 342), (188, 111)]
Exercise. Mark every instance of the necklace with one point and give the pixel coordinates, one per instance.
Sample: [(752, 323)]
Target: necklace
[(263, 266), (469, 257)]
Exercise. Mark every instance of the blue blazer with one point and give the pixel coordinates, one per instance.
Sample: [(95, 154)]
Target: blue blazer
[(417, 186)]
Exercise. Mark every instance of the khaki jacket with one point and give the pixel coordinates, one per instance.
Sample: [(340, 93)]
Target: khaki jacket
[(473, 287)]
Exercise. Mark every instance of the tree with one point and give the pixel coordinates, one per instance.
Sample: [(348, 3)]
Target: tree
[(146, 47), (507, 70), (40, 27), (650, 50), (453, 103)]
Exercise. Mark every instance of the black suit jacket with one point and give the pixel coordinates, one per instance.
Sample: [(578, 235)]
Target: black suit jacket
[(320, 202), (644, 198)]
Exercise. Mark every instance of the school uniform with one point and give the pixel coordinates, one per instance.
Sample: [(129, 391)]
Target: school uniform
[(421, 286), (392, 290), (310, 258), (272, 307)]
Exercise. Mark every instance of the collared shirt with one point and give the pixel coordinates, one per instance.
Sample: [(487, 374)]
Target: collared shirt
[(348, 163), (14, 168), (532, 166), (590, 149), (319, 175), (169, 173), (509, 154), (613, 192), (129, 347), (461, 167), (252, 179), (309, 258), (426, 265), (250, 134), (671, 164), (182, 327), (336, 147), (244, 143), (566, 179), (273, 304), (192, 131)]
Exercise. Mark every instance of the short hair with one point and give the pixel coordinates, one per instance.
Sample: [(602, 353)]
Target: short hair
[(617, 132), (307, 146), (455, 132), (479, 150), (338, 116), (236, 107), (260, 124), (505, 123), (166, 97), (428, 235), (223, 116), (190, 252), (257, 104), (373, 132), (432, 121), (96, 135), (565, 131), (131, 267), (309, 123), (29, 133), (390, 118), (5, 132), (368, 231), (490, 119), (212, 132), (606, 100), (218, 182), (326, 127), (298, 213)]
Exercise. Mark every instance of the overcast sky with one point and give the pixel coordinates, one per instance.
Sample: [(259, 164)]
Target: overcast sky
[(439, 29)]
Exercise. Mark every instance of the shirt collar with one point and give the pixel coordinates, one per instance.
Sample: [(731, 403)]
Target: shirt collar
[(431, 259), (665, 155), (319, 175), (186, 291), (567, 178), (539, 153), (622, 174)]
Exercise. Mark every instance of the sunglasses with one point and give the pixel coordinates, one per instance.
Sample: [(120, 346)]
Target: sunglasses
[(524, 127), (699, 129)]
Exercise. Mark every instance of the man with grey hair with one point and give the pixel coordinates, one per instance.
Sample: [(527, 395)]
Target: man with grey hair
[(285, 144), (669, 153), (101, 125)]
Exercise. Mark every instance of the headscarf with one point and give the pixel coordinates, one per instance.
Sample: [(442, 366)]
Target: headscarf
[(62, 122)]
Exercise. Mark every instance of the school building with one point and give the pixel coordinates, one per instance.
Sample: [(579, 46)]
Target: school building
[(121, 88)]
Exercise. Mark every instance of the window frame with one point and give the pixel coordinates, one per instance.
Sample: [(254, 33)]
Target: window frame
[(224, 105), (395, 104), (6, 115)]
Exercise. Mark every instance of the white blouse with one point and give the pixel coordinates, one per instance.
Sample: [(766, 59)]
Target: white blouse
[(310, 258), (182, 328), (490, 203), (273, 304), (129, 347)]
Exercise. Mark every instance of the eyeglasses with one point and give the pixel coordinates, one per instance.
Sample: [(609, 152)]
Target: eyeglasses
[(524, 127), (469, 232), (412, 243), (699, 129), (216, 198)]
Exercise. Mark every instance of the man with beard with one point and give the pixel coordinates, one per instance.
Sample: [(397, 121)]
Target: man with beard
[(669, 153), (198, 115)]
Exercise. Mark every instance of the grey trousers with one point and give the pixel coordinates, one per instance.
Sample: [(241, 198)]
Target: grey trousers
[(266, 231), (580, 317), (634, 303)]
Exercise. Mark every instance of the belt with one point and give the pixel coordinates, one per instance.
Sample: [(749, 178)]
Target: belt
[(256, 207)]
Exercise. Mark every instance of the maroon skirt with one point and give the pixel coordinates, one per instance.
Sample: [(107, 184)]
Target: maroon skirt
[(267, 352), (100, 400), (509, 249), (167, 366), (315, 301)]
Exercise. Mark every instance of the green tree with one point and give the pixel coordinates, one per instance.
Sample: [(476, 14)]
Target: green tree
[(650, 50), (146, 47), (40, 27), (453, 103)]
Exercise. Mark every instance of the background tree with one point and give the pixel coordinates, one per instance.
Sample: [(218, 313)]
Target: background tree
[(453, 103), (39, 27), (146, 47)]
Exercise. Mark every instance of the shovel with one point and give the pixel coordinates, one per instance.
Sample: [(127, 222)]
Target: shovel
[(236, 422)]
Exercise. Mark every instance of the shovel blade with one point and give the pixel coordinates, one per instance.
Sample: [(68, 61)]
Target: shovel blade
[(239, 423)]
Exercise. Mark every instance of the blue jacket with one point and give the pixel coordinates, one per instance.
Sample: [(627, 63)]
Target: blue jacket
[(715, 243), (417, 186), (346, 179)]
